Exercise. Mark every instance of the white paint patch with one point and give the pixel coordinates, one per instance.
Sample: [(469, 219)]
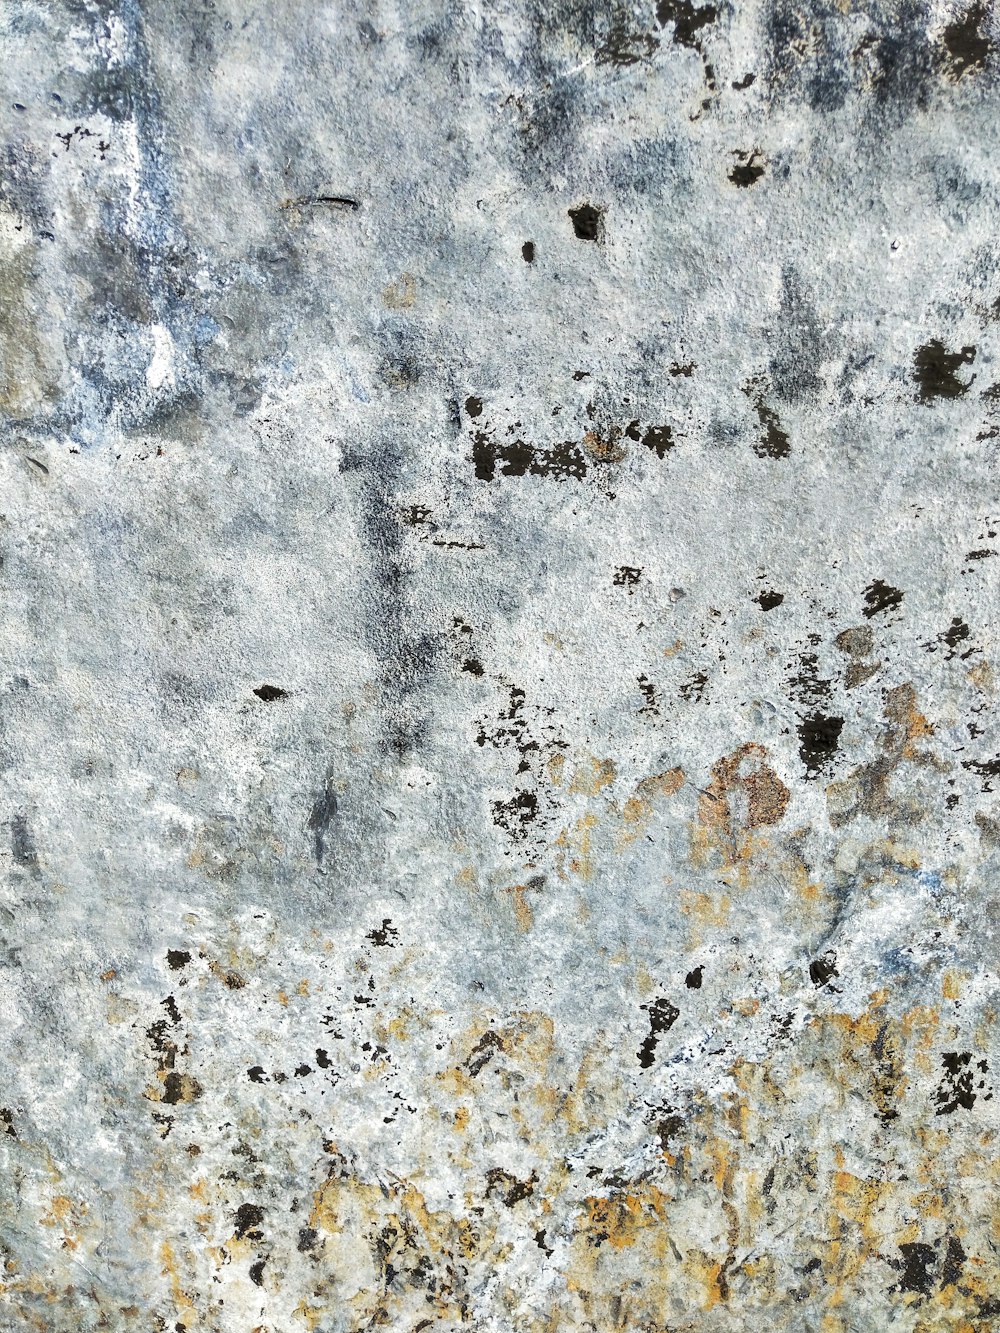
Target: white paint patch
[(160, 371)]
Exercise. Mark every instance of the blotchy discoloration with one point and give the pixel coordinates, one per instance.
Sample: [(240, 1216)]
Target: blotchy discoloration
[(744, 795), (498, 715)]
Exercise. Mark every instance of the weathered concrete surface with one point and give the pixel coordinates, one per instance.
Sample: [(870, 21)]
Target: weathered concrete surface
[(498, 735)]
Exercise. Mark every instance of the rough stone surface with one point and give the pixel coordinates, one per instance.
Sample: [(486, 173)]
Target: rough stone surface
[(498, 746)]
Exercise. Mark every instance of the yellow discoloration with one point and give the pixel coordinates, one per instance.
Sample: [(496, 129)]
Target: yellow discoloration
[(591, 776), (311, 1315), (186, 1312), (639, 808), (705, 910), (575, 844), (982, 676), (402, 294), (618, 1220), (522, 908), (952, 982)]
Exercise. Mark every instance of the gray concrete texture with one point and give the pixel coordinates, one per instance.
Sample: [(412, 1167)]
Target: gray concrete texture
[(498, 749)]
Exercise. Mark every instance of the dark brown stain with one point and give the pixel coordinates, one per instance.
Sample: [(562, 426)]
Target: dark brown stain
[(624, 45), (934, 370), (659, 439), (773, 442), (880, 597), (517, 458), (967, 47), (748, 168), (588, 222), (269, 693), (819, 740)]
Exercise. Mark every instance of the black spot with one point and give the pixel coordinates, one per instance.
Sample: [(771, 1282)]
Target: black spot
[(624, 46), (693, 688), (967, 47), (662, 1016), (958, 1083), (472, 666), (917, 1259), (514, 816), (174, 1089), (626, 576), (956, 633), (177, 958), (248, 1217), (660, 439), (382, 937), (586, 222), (808, 687), (819, 739), (519, 459), (528, 252), (669, 1127), (983, 768), (934, 371), (745, 82), (483, 1051), (773, 443), (954, 1261), (748, 169), (415, 516), (693, 979), (257, 1272), (308, 1237), (767, 601), (474, 406), (687, 20), (257, 1075), (270, 692), (648, 691), (322, 1058), (822, 969), (880, 597), (510, 1189)]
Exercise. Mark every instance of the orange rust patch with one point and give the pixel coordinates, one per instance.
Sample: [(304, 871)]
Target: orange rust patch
[(620, 1219), (744, 794)]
